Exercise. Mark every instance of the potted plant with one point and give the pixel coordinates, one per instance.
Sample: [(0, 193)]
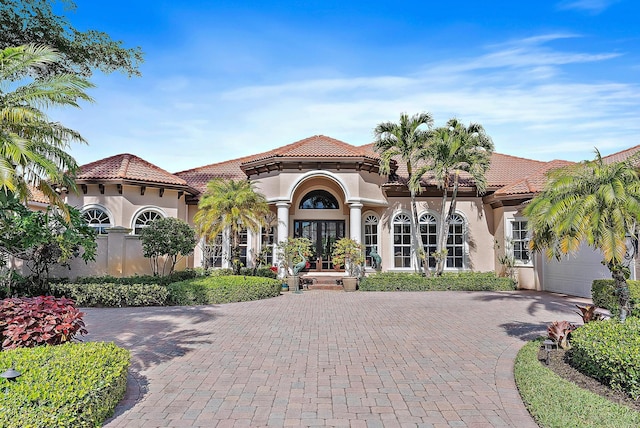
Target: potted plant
[(293, 254), (348, 253)]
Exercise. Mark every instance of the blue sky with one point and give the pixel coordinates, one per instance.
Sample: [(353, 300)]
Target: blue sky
[(547, 79)]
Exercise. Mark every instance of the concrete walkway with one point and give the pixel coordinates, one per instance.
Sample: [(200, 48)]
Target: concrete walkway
[(322, 358)]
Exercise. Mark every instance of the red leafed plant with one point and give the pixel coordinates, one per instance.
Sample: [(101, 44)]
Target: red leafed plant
[(559, 332), (45, 320), (588, 313)]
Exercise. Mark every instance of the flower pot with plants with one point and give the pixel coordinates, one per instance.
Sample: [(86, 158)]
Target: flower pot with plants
[(293, 254), (349, 253)]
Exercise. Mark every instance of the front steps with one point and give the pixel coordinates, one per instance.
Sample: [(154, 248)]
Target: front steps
[(322, 281)]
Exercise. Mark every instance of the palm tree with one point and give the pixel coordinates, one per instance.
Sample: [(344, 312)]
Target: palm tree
[(453, 149), (33, 148), (593, 202), (403, 140), (232, 205)]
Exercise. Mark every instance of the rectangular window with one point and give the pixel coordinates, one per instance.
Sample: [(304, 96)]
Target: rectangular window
[(520, 241), (370, 241), (268, 244), (213, 253), (402, 245)]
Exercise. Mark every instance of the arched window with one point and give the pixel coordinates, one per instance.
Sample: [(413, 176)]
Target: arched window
[(370, 237), (401, 241), (97, 218), (428, 233), (319, 200), (455, 242), (143, 219)]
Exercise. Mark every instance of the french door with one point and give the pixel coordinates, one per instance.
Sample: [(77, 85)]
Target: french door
[(323, 234)]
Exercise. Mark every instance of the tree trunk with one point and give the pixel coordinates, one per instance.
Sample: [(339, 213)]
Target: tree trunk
[(417, 239), (622, 290)]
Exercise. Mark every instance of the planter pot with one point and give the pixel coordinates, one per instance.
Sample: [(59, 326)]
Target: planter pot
[(285, 287), (349, 283), (293, 282)]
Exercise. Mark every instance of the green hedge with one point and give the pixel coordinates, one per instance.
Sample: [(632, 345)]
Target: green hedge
[(464, 281), (138, 279), (222, 289), (610, 352), (112, 294), (557, 403), (603, 295), (70, 385)]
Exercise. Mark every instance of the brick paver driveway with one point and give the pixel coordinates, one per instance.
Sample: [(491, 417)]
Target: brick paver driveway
[(322, 358)]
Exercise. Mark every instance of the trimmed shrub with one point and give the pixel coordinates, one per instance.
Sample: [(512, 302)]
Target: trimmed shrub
[(108, 294), (71, 385), (264, 272), (556, 402), (140, 279), (32, 321), (603, 295), (610, 352), (222, 289), (464, 281)]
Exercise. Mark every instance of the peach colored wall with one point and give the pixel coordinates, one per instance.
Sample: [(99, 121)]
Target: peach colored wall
[(479, 230)]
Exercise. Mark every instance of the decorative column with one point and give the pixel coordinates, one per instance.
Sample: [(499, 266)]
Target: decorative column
[(283, 229), (355, 221)]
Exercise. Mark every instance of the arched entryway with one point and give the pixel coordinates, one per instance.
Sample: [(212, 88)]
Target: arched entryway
[(319, 214)]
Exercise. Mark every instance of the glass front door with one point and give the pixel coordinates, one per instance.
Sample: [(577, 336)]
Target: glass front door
[(323, 234)]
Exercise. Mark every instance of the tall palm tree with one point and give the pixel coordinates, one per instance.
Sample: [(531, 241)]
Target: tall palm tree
[(452, 149), (403, 140), (232, 205), (33, 148), (593, 202)]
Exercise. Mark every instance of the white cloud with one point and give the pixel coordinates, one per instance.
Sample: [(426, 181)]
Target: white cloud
[(592, 6), (520, 91)]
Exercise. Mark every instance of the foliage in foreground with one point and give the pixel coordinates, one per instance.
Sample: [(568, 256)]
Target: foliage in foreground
[(610, 352), (222, 289), (33, 321), (71, 385), (557, 403), (603, 293), (464, 281)]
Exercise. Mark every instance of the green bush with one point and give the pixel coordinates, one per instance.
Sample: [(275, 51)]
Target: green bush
[(264, 272), (464, 281), (70, 385), (610, 352), (112, 294), (558, 403), (222, 289), (603, 295), (139, 279)]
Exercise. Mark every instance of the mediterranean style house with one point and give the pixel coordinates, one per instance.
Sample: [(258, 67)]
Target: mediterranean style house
[(323, 189)]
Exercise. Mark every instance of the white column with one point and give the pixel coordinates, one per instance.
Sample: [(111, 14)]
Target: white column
[(355, 221), (283, 231), (283, 221)]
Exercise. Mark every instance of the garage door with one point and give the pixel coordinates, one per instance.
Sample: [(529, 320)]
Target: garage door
[(573, 275)]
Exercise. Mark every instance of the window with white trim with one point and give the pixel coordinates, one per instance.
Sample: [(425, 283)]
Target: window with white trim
[(428, 233), (243, 244), (520, 241), (143, 219), (370, 237), (98, 219), (401, 241), (268, 240), (455, 242), (213, 252)]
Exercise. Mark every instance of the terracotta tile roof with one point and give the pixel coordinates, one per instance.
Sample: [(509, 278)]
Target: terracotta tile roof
[(622, 155), (199, 177), (534, 182), (37, 196), (125, 167), (318, 146), (504, 169)]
